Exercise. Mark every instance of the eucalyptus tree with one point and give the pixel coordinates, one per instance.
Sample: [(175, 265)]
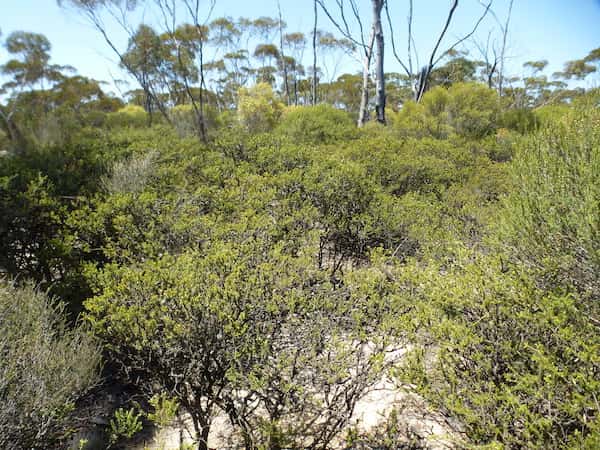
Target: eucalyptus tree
[(229, 61), (267, 54), (186, 44), (580, 69), (145, 55), (95, 12), (313, 88), (333, 50), (191, 37), (29, 68), (296, 43), (538, 90), (377, 6)]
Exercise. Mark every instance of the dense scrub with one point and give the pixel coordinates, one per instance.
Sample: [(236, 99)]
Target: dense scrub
[(276, 264)]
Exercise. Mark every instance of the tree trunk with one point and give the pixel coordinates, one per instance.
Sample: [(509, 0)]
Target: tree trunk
[(422, 81), (14, 134), (379, 72), (503, 50), (363, 112), (201, 429), (314, 45), (286, 83), (201, 118), (295, 91)]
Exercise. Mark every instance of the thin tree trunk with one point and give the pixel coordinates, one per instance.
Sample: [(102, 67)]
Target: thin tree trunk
[(14, 134), (503, 50), (193, 9), (421, 85), (282, 57), (425, 73), (295, 91), (201, 430), (379, 72), (363, 112), (202, 85), (314, 45)]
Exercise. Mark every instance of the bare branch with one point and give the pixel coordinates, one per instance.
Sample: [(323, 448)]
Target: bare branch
[(461, 40), (410, 35), (503, 49), (345, 31), (408, 70)]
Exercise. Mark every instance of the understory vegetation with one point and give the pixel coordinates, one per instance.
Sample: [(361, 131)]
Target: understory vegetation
[(265, 273)]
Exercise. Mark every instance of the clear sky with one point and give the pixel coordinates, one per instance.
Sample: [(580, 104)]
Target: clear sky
[(556, 30)]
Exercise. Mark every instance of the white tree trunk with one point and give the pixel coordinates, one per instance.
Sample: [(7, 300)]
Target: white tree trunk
[(363, 112), (379, 54)]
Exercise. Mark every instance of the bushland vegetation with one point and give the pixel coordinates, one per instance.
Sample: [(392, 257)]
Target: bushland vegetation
[(260, 263)]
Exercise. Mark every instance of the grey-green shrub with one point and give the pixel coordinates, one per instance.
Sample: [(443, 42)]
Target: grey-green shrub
[(45, 367)]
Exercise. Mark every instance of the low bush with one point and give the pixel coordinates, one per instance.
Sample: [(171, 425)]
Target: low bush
[(45, 368), (321, 124)]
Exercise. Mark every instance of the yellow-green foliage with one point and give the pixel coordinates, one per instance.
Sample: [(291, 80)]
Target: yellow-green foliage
[(551, 113), (467, 109), (259, 109), (553, 220), (321, 124), (472, 109), (128, 116), (508, 339), (238, 322), (513, 363), (226, 263)]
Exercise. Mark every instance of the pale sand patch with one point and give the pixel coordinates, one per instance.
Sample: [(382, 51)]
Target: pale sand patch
[(371, 411)]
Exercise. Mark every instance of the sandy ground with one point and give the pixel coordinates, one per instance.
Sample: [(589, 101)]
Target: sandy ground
[(371, 412)]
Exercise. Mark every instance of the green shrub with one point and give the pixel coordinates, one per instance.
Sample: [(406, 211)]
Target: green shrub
[(418, 119), (130, 175), (124, 425), (472, 109), (515, 365), (549, 114), (552, 222), (522, 120), (321, 124), (128, 116), (185, 119), (258, 108), (45, 368), (239, 324)]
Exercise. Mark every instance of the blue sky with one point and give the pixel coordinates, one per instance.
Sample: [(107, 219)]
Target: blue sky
[(556, 30)]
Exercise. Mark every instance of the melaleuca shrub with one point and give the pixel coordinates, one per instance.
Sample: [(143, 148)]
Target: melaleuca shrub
[(514, 364), (128, 116), (258, 108), (551, 222), (425, 119), (186, 119), (321, 124), (522, 120), (472, 109)]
